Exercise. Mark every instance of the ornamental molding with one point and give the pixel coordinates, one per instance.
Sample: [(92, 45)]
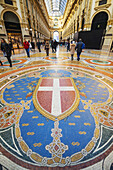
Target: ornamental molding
[(8, 6), (102, 7)]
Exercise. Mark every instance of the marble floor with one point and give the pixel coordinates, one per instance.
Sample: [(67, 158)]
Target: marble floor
[(56, 113)]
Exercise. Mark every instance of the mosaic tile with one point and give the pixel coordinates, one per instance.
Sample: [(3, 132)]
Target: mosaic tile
[(57, 114)]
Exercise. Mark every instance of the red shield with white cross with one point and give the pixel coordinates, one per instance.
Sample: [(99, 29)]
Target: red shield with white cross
[(56, 97)]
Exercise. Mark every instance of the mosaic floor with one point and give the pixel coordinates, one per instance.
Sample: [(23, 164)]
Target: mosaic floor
[(57, 113)]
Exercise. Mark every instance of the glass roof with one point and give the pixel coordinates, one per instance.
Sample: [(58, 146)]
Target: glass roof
[(55, 7)]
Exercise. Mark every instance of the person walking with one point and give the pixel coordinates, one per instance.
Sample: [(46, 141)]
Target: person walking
[(55, 45), (18, 47), (33, 46), (1, 63), (38, 45), (72, 49), (26, 47), (30, 46), (80, 45), (52, 46), (68, 46), (6, 49), (11, 46), (47, 48)]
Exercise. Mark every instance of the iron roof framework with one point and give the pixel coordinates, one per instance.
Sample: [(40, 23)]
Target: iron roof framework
[(55, 7)]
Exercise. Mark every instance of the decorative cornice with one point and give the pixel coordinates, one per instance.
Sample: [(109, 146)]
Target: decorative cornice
[(8, 6), (102, 7)]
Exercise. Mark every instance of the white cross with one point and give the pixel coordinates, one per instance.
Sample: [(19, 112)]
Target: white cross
[(56, 99)]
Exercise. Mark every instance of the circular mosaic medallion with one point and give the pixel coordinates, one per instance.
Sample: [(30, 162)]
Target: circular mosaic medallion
[(99, 62), (54, 58), (56, 116)]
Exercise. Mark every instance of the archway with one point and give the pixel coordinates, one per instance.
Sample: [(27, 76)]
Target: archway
[(99, 24), (94, 38), (99, 21), (13, 28), (56, 36)]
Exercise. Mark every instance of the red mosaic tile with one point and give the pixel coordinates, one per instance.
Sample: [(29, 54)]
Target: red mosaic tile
[(45, 99), (47, 82), (65, 82), (67, 99)]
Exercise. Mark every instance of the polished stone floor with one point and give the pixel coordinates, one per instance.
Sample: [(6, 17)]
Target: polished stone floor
[(56, 113)]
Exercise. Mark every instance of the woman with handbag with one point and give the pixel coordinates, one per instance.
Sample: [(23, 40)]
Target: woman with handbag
[(6, 49)]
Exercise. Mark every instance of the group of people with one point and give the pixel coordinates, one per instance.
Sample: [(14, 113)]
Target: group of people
[(31, 46), (79, 46), (53, 46), (7, 48), (28, 46)]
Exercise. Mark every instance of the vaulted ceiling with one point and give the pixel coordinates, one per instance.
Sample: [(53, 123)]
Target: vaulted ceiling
[(55, 7)]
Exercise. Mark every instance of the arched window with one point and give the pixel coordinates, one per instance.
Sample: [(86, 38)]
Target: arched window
[(83, 21), (12, 23), (100, 21), (102, 2), (55, 19), (10, 2), (10, 17)]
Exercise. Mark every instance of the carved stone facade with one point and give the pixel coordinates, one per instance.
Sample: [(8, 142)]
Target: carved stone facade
[(34, 25), (87, 9), (78, 16)]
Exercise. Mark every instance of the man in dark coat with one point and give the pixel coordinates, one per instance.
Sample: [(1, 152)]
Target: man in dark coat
[(68, 46), (6, 49), (11, 46), (55, 45), (52, 46), (80, 45), (38, 45)]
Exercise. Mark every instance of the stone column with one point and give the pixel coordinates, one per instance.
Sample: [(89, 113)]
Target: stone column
[(108, 36)]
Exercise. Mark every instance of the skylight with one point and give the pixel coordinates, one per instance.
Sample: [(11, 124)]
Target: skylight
[(55, 7)]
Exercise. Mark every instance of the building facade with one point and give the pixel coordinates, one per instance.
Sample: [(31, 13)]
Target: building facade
[(92, 20), (21, 19)]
